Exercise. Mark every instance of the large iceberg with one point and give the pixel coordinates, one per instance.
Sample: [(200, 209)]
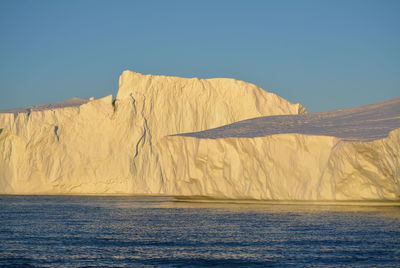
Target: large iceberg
[(219, 138)]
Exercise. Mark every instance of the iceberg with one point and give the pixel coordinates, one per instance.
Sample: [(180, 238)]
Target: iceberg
[(217, 138)]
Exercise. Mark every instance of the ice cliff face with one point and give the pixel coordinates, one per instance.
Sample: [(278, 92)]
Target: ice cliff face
[(283, 167), (107, 147)]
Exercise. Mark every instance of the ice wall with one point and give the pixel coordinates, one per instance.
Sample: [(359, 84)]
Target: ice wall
[(283, 167)]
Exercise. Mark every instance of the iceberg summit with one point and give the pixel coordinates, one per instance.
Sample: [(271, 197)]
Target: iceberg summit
[(217, 138)]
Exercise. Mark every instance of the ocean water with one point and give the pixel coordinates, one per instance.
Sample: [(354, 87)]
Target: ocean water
[(124, 231)]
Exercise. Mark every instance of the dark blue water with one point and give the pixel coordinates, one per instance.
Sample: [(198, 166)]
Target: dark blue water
[(77, 231)]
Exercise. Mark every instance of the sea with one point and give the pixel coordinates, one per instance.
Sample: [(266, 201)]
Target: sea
[(148, 231)]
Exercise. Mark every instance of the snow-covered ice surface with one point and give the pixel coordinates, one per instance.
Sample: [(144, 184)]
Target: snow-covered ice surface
[(364, 123), (36, 108)]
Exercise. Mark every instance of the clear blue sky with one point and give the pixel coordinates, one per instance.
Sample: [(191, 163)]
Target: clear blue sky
[(323, 54)]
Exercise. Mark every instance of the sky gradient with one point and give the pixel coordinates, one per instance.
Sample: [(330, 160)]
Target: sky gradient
[(323, 54)]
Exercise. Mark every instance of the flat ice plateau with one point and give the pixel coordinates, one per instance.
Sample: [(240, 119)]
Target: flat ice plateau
[(219, 138), (364, 123)]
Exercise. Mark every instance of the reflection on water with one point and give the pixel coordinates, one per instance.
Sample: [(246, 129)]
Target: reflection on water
[(144, 231)]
